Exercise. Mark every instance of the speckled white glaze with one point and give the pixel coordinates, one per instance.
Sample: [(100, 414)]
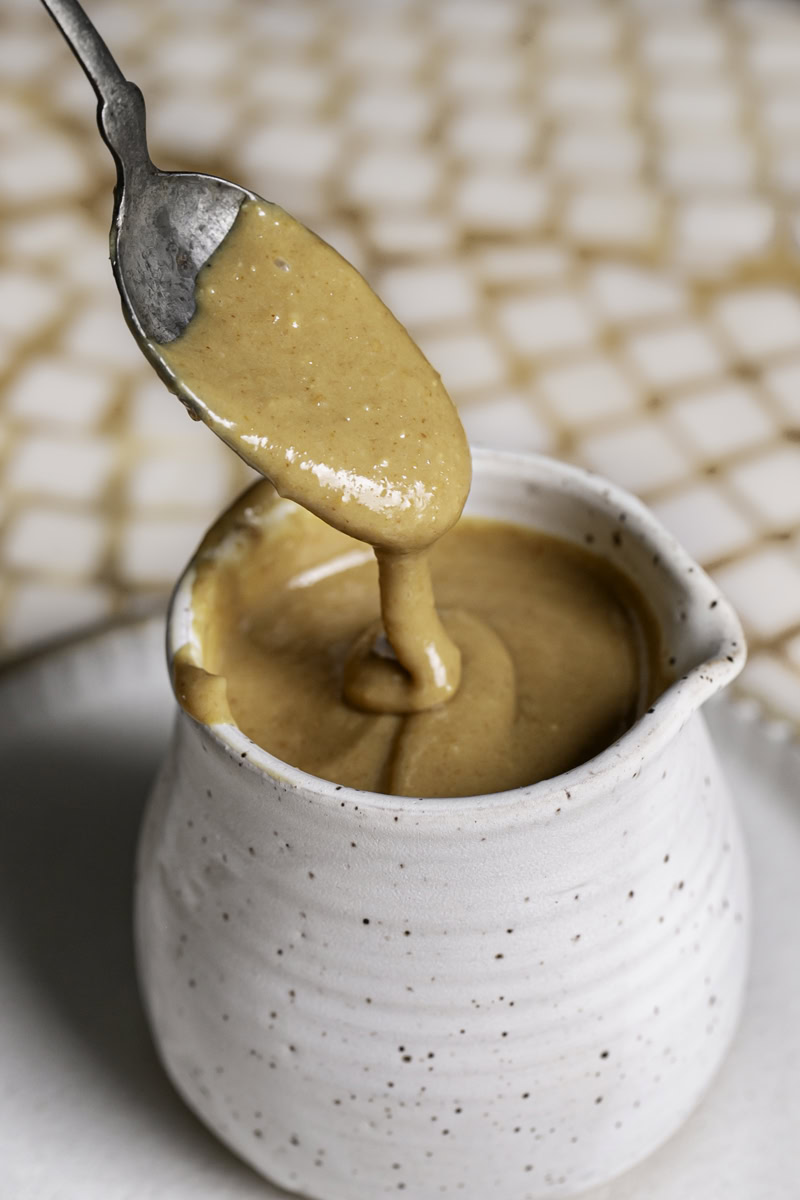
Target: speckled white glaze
[(517, 995)]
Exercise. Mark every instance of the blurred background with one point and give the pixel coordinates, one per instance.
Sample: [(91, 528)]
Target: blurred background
[(587, 213)]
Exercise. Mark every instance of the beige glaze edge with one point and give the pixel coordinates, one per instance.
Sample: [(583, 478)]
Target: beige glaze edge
[(310, 955)]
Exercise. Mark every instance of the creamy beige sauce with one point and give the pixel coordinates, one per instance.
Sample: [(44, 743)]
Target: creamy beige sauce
[(294, 361), (559, 653), (540, 657)]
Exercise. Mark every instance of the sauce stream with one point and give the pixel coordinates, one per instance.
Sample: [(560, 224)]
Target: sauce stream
[(293, 361)]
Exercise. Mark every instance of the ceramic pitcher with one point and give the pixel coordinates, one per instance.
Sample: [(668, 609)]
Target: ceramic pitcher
[(516, 995)]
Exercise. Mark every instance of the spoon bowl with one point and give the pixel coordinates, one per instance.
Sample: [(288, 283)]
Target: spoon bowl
[(166, 224)]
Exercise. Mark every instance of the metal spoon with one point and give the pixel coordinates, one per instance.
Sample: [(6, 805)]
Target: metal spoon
[(166, 224)]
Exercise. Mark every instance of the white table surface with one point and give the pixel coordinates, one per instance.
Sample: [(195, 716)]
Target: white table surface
[(85, 1110)]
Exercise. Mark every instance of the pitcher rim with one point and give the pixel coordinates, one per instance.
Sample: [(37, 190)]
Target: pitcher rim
[(651, 731)]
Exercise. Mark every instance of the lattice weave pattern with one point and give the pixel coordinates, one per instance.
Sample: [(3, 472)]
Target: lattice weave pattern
[(586, 213)]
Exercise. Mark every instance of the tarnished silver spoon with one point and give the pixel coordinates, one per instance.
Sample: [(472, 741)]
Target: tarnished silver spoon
[(166, 224)]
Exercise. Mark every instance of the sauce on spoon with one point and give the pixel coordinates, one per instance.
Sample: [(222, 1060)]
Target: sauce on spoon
[(293, 361)]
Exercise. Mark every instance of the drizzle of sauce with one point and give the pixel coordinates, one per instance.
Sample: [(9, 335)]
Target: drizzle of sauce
[(200, 692), (293, 361)]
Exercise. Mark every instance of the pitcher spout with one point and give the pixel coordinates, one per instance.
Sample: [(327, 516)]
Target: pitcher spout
[(702, 645), (703, 642)]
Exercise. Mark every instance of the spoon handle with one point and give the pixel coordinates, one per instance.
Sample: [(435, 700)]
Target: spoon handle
[(120, 108)]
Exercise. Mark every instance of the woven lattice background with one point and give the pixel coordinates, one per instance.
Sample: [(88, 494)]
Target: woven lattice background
[(587, 214)]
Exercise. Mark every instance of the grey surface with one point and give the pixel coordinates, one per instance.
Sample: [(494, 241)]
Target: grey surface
[(85, 1111)]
